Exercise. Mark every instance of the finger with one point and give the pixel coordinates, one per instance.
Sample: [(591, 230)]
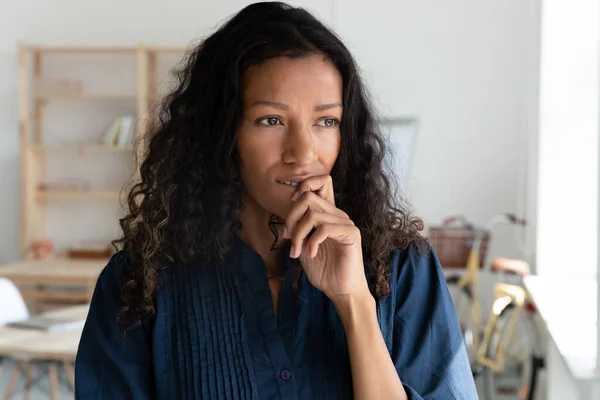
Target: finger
[(308, 200), (321, 185), (341, 233), (311, 220)]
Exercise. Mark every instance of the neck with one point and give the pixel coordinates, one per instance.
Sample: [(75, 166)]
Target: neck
[(256, 233)]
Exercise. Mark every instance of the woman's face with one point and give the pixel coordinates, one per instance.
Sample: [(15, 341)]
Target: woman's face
[(290, 128)]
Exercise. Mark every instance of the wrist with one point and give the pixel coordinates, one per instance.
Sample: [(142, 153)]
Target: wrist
[(355, 309)]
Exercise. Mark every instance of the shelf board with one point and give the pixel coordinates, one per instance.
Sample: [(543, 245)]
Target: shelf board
[(59, 266), (83, 50), (56, 194), (81, 148), (108, 49), (86, 96), (170, 49)]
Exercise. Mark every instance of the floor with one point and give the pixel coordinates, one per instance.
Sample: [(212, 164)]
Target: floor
[(41, 390), (508, 381)]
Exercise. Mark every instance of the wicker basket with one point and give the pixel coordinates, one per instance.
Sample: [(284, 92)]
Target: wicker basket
[(453, 244)]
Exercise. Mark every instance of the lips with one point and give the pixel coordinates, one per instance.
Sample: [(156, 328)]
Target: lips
[(289, 183), (294, 180)]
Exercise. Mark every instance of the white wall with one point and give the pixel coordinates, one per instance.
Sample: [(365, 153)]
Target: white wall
[(569, 160), (466, 68), (568, 150)]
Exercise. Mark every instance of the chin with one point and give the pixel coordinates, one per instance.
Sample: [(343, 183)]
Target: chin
[(279, 210), (271, 202), (279, 214)]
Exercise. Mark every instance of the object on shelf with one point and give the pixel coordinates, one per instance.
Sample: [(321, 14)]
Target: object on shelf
[(57, 87), (121, 132), (90, 251), (42, 249), (65, 184)]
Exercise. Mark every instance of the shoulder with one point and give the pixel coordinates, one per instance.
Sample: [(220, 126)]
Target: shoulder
[(108, 302), (416, 259), (113, 273), (415, 270)]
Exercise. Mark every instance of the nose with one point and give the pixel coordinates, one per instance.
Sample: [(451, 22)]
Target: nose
[(299, 146)]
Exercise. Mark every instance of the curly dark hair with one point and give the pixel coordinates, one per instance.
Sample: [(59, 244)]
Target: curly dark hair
[(186, 202)]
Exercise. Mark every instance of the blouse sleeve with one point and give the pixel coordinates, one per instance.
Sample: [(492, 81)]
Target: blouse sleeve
[(428, 349), (111, 364)]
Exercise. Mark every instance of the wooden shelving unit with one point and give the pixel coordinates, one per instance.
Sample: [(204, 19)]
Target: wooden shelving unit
[(37, 152)]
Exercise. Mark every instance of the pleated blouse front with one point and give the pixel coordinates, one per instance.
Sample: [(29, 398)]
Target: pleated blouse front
[(215, 335)]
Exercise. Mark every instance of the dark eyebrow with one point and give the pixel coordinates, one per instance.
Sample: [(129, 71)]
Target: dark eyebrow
[(281, 106), (327, 106)]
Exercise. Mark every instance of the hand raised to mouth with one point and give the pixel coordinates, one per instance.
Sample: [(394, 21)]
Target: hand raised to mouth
[(325, 240)]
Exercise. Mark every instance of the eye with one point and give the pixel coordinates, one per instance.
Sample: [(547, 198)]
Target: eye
[(328, 122), (270, 121)]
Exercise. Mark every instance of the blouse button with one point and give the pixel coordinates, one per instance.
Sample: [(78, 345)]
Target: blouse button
[(285, 375)]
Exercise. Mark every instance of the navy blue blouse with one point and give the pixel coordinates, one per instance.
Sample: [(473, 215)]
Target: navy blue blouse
[(215, 335)]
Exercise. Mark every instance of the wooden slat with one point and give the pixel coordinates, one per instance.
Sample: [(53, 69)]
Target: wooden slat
[(152, 78), (13, 381), (143, 111), (85, 96), (28, 381), (70, 374), (38, 109), (53, 271), (27, 167), (37, 167), (142, 90), (84, 49), (53, 377), (64, 296), (82, 148), (44, 195), (170, 49)]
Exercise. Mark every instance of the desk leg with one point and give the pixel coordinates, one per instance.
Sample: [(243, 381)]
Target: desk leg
[(13, 381), (53, 380), (70, 375), (28, 368)]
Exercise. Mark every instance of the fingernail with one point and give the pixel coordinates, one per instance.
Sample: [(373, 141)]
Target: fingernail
[(292, 252), (295, 196), (285, 233)]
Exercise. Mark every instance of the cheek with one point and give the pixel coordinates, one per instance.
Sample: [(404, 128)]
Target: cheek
[(329, 149), (258, 154), (247, 149)]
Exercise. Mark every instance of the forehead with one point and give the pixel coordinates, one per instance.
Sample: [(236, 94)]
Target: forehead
[(285, 79)]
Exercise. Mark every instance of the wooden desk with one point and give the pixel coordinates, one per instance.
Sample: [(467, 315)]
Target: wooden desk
[(35, 279), (28, 346), (31, 343)]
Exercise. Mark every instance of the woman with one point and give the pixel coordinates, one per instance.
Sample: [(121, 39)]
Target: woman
[(263, 255)]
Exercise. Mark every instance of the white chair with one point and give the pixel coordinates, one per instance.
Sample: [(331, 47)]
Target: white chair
[(12, 305), (12, 308)]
